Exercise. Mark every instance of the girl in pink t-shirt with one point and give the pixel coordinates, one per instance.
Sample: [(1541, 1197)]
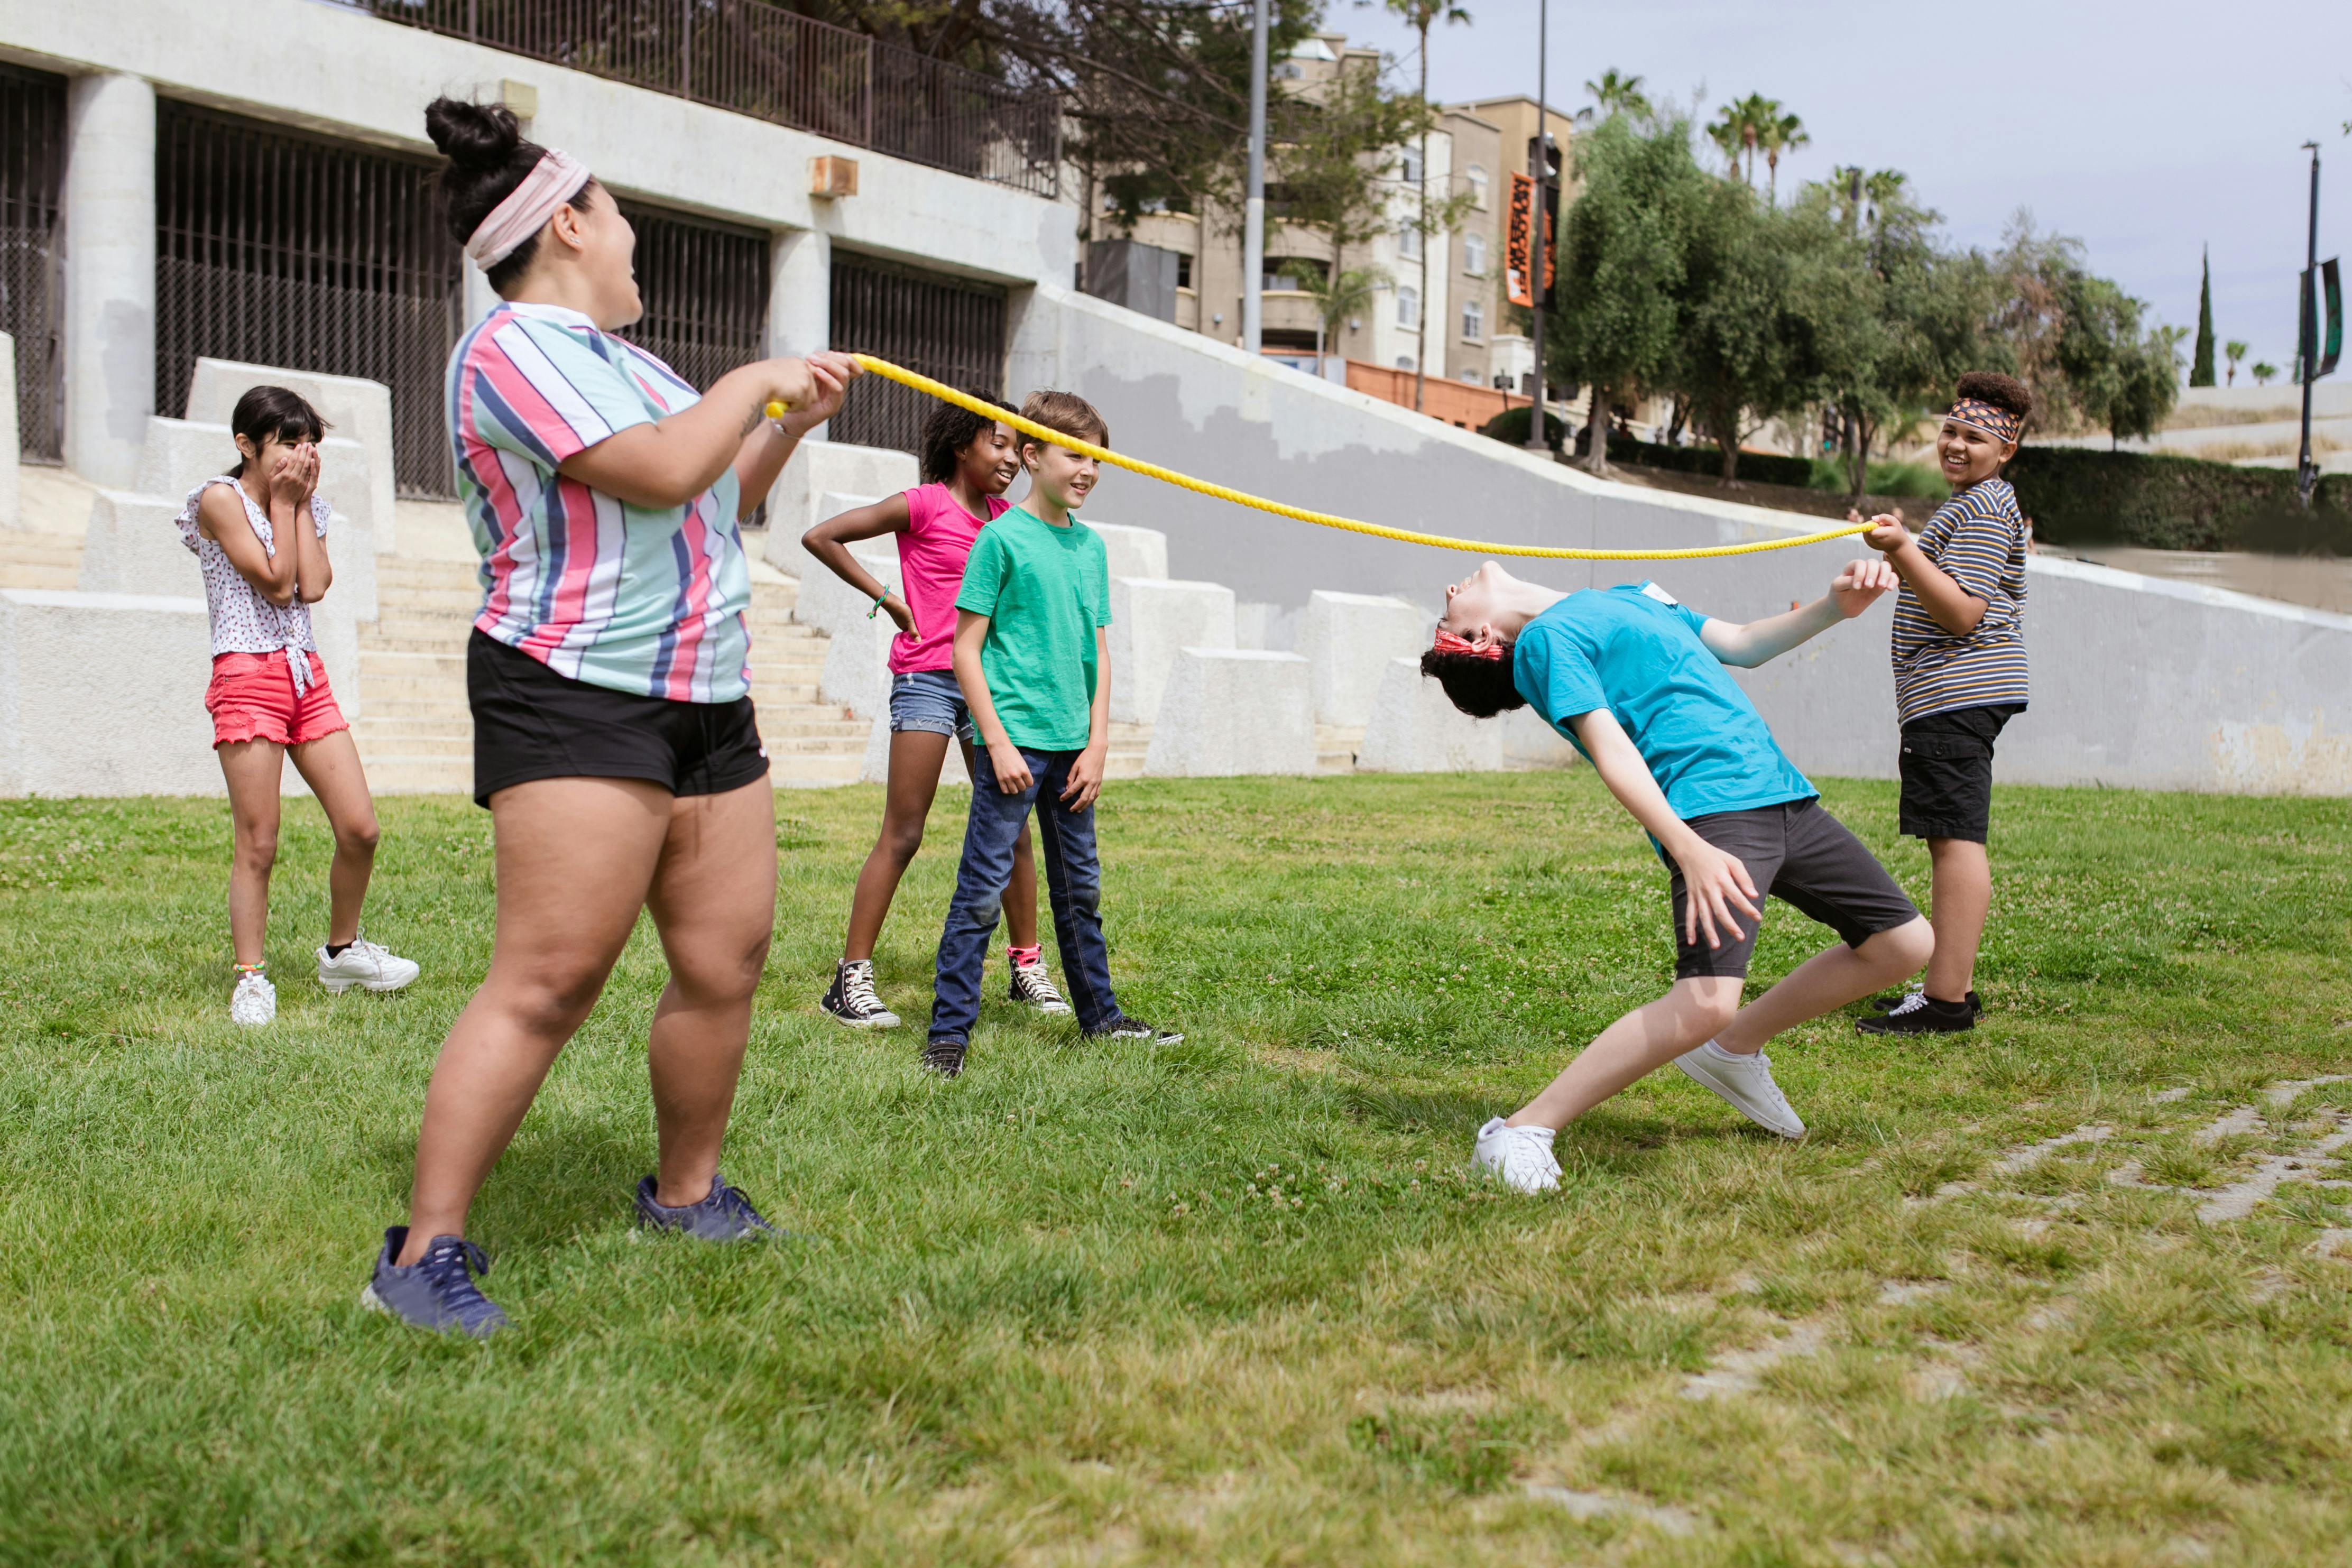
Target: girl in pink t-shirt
[(967, 463)]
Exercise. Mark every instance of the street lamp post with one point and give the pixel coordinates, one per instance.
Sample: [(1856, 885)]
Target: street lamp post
[(1540, 242), (1254, 212), (2306, 472)]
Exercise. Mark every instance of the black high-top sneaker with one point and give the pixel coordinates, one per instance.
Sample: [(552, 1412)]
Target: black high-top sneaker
[(851, 999)]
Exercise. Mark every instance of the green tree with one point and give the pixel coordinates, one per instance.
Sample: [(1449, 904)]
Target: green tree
[(1420, 16), (1337, 294), (1747, 341), (2201, 367), (1782, 134), (2234, 350), (1622, 258), (2263, 373), (1614, 93)]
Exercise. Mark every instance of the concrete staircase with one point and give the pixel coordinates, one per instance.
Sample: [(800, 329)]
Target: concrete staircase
[(31, 560), (417, 736)]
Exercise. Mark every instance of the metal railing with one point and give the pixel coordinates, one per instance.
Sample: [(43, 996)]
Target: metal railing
[(756, 58)]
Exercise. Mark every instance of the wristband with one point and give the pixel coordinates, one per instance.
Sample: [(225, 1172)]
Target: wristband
[(877, 604)]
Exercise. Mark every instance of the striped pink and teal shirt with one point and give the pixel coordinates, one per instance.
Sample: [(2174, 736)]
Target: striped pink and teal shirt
[(1978, 537), (637, 599)]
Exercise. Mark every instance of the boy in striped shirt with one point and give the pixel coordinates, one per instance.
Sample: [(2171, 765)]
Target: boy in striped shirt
[(1959, 676)]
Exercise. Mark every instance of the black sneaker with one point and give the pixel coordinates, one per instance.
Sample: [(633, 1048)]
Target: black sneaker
[(436, 1291), (851, 999), (1124, 1029), (1920, 1013), (1032, 987), (944, 1057), (723, 1215), (1894, 999)]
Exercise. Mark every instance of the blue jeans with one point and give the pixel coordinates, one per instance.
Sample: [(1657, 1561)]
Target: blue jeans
[(1066, 844)]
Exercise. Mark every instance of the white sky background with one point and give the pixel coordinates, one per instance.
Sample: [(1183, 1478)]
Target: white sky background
[(2145, 130)]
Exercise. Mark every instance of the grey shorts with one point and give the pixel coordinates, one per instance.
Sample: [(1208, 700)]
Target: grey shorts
[(1802, 855), (930, 699)]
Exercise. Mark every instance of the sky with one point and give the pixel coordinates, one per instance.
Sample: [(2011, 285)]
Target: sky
[(2147, 131)]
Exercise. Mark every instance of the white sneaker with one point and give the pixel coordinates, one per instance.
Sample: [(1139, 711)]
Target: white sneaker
[(1520, 1157), (1745, 1085), (254, 1001), (368, 964)]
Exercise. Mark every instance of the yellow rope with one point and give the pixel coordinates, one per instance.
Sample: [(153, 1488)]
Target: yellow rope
[(946, 394)]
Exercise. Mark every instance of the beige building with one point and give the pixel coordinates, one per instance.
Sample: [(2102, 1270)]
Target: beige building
[(1493, 134)]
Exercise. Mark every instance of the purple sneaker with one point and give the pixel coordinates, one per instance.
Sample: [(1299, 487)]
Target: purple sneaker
[(438, 1290), (726, 1215)]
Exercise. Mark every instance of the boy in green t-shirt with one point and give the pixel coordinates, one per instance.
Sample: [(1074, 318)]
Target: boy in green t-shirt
[(1035, 667)]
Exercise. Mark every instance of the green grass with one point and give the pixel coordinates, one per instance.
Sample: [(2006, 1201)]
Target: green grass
[(1228, 1302)]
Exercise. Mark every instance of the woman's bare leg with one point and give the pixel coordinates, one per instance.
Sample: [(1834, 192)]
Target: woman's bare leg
[(1020, 894), (576, 858), (253, 768), (914, 759), (330, 766), (714, 901)]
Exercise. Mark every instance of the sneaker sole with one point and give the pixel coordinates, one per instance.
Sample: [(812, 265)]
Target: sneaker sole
[(337, 987), (1493, 1172), (1698, 1076), (885, 1021), (1051, 1009)]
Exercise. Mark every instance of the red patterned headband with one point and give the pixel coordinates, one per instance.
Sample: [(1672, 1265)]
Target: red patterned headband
[(1994, 421), (1448, 643)]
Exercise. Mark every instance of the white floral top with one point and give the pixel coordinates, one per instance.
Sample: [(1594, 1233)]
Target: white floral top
[(243, 621)]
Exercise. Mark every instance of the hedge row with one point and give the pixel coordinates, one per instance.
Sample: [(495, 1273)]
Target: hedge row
[(2082, 496), (1510, 427)]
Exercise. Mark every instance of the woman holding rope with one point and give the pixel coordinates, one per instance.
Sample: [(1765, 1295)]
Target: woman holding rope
[(615, 743)]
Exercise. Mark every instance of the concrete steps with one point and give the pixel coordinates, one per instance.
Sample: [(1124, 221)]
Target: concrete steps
[(35, 560)]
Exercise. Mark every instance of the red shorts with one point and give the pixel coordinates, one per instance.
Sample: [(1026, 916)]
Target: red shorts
[(252, 697)]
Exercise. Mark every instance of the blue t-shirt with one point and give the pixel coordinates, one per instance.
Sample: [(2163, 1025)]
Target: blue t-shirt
[(1635, 651)]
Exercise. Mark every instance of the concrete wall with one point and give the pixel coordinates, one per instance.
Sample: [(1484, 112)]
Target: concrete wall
[(11, 503), (2137, 681), (62, 660)]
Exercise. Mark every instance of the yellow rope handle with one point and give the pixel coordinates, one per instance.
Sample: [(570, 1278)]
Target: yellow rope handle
[(945, 394)]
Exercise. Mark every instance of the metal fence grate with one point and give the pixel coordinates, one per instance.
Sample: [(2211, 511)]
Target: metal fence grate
[(773, 64), (705, 287), (947, 329), (286, 249), (31, 290)]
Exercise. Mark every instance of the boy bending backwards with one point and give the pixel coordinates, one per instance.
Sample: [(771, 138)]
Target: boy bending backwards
[(1636, 681), (1035, 669)]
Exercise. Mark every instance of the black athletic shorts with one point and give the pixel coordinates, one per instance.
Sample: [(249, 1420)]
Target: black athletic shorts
[(1947, 771), (1801, 855), (532, 723)]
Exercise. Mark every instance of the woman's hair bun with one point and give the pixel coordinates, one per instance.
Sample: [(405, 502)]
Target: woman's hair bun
[(473, 137)]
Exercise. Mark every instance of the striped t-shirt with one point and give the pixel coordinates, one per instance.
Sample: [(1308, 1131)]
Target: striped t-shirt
[(1978, 537), (639, 599)]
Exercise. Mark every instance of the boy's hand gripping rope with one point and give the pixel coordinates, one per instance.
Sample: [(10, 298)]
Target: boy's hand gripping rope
[(945, 394)]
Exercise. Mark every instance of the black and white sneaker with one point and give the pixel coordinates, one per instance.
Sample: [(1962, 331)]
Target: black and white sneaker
[(1124, 1029), (944, 1057), (851, 998), (1894, 999), (1920, 1013), (1032, 987)]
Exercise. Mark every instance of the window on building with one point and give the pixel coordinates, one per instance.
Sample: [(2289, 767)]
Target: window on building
[(1470, 374), (1409, 243), (1477, 187), (1474, 255), (1410, 171), (1183, 270), (1474, 320), (1405, 362), (1408, 307)]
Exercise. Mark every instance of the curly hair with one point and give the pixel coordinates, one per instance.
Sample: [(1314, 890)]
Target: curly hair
[(1481, 688), (948, 431), (2004, 392)]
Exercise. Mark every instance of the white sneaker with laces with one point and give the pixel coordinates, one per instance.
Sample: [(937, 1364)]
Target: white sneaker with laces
[(1744, 1083), (1032, 987), (1520, 1157), (370, 965), (254, 1001)]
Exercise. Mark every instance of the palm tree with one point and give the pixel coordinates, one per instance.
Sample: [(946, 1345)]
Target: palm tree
[(2234, 352), (1782, 134), (2263, 373), (1742, 128), (1420, 16), (1614, 93), (1724, 134), (1337, 294)]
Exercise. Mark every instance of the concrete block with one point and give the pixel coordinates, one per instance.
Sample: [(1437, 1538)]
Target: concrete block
[(1133, 551), (132, 546), (818, 469), (1267, 627), (858, 665), (70, 723), (1528, 742), (1414, 729), (181, 454), (1150, 620), (1349, 639), (1234, 710), (355, 408), (12, 508), (952, 772), (830, 604)]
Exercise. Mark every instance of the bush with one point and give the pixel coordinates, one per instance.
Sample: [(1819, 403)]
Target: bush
[(1902, 481), (1510, 427), (2080, 496)]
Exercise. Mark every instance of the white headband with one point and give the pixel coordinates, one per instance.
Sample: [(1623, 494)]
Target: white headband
[(554, 179)]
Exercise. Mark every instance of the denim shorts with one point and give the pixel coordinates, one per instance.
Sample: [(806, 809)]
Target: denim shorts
[(930, 699)]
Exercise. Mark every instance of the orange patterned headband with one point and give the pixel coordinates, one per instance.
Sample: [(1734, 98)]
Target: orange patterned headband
[(1994, 421), (1448, 643)]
